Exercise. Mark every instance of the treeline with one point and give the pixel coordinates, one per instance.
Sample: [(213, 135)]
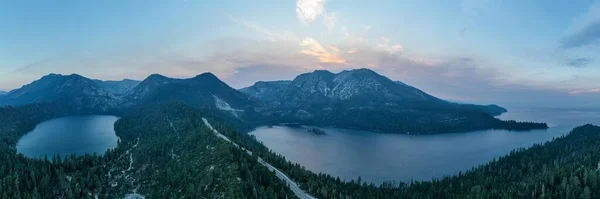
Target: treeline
[(16, 121), (177, 156), (520, 126), (565, 167), (419, 119), (164, 152), (72, 177), (50, 177)]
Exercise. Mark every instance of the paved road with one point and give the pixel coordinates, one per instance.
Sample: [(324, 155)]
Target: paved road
[(295, 188)]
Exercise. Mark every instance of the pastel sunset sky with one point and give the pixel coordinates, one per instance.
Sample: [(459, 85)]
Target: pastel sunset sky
[(529, 52)]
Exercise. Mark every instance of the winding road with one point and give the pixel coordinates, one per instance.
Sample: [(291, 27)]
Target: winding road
[(295, 188)]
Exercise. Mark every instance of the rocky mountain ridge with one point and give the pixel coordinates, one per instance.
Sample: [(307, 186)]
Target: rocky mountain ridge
[(204, 90), (360, 99)]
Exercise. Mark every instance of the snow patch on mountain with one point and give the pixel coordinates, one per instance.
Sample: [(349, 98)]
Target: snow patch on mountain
[(224, 106)]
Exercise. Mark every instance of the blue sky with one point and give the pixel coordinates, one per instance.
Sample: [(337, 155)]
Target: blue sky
[(483, 51)]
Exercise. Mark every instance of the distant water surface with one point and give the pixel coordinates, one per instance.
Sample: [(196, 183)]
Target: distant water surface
[(378, 157), (67, 135)]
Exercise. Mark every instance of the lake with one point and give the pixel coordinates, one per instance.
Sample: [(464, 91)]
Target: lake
[(68, 135), (377, 157)]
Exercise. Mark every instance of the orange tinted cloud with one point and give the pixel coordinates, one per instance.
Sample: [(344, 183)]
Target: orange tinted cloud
[(325, 55)]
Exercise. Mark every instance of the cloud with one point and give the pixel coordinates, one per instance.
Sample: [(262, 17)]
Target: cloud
[(329, 20), (590, 34), (446, 77), (325, 55), (367, 28), (241, 62), (270, 35), (577, 92), (388, 47), (309, 10), (345, 31), (451, 74), (392, 49), (578, 62), (584, 30), (386, 40)]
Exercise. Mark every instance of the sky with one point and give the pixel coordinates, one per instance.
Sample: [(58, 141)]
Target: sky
[(507, 52)]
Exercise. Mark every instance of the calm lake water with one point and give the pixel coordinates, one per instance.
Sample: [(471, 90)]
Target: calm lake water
[(67, 135), (379, 157)]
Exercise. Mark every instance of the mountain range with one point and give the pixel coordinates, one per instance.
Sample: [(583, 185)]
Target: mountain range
[(74, 90), (204, 90), (363, 99), (360, 99), (118, 88)]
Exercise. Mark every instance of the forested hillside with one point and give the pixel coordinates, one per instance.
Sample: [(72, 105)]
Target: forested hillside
[(164, 152), (355, 99), (565, 167), (177, 156), (362, 99)]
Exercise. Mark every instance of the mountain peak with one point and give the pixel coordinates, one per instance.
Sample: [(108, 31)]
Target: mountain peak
[(156, 76), (53, 87), (324, 72), (207, 76), (52, 75), (61, 75), (352, 86), (361, 70), (364, 72), (205, 90), (317, 74)]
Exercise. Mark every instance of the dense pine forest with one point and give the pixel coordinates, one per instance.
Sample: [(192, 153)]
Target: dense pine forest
[(165, 151), (565, 167), (429, 120)]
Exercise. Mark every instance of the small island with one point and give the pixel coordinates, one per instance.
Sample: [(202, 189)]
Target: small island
[(316, 131)]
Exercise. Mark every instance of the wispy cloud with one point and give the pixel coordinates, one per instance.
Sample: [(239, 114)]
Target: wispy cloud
[(577, 92), (387, 46), (325, 55), (345, 31), (330, 20), (590, 34), (270, 35), (578, 62), (585, 29)]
